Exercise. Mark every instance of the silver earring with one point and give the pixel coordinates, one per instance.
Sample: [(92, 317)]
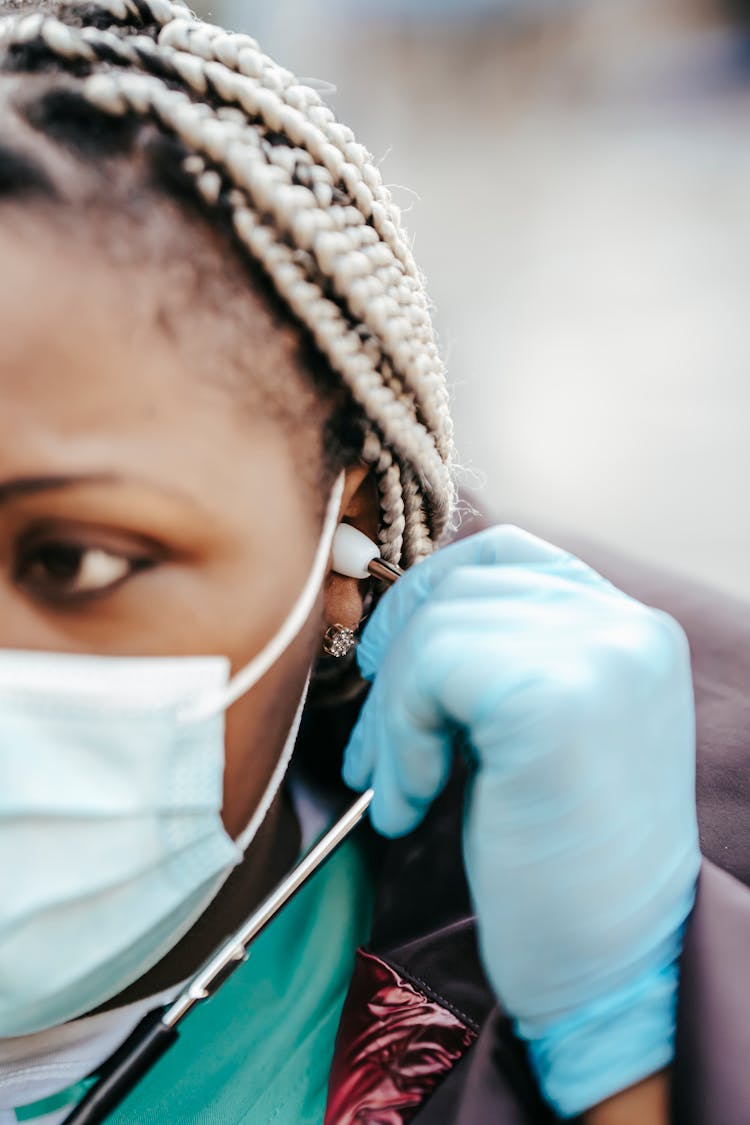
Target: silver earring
[(338, 640)]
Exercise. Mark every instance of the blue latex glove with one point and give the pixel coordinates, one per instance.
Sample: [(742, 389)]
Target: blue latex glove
[(580, 837)]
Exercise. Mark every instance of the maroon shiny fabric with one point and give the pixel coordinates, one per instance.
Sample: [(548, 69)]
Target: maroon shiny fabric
[(394, 1046)]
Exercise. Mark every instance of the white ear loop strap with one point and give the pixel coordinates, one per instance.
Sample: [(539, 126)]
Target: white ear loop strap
[(249, 676), (248, 834)]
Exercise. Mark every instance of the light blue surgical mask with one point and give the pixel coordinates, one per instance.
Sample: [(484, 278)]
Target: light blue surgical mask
[(111, 839)]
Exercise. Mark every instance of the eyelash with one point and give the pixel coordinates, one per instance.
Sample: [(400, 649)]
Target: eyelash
[(32, 554)]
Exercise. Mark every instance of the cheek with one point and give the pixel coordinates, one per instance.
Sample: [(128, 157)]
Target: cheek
[(258, 726)]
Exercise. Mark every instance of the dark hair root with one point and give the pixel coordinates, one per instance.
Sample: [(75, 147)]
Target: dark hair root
[(66, 117), (20, 176)]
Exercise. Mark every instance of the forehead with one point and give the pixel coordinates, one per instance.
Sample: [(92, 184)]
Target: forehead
[(93, 379)]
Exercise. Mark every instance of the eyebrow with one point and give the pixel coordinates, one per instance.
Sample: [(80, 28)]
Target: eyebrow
[(29, 486)]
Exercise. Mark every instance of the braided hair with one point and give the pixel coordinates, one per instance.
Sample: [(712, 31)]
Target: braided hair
[(261, 153)]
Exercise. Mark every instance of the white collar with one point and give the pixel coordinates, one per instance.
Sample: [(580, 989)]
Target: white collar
[(33, 1067)]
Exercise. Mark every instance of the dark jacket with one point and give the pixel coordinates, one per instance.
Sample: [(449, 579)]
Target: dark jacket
[(421, 1037)]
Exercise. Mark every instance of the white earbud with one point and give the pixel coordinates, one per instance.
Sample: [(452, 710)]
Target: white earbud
[(353, 552), (356, 556)]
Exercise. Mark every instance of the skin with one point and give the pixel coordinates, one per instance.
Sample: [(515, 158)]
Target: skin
[(191, 506), (144, 511), (647, 1102)]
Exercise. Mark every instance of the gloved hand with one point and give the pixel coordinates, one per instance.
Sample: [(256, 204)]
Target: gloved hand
[(580, 837)]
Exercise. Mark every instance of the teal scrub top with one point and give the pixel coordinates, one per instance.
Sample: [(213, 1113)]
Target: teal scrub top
[(260, 1050)]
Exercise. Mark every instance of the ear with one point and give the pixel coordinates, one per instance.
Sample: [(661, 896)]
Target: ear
[(344, 597)]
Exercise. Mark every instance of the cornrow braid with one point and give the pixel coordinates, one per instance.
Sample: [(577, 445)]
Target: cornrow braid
[(305, 203)]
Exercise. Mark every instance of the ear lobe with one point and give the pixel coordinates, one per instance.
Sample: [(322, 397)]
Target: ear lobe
[(344, 600)]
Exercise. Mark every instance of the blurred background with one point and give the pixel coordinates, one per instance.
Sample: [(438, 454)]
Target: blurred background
[(577, 176)]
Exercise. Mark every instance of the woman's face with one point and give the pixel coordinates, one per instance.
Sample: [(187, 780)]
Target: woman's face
[(144, 508)]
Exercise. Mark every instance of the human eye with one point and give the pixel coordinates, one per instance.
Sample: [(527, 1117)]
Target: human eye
[(60, 568)]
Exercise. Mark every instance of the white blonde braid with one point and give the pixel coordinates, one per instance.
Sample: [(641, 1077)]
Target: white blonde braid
[(306, 203)]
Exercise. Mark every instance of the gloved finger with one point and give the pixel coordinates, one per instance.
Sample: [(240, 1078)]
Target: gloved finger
[(394, 812), (361, 749), (403, 742), (421, 756), (529, 584), (427, 685), (409, 773), (504, 545)]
